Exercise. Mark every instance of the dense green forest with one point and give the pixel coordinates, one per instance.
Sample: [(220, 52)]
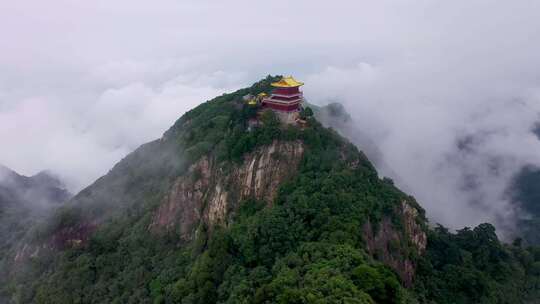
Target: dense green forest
[(307, 247)]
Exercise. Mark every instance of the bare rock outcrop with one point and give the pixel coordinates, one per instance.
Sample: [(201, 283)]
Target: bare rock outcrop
[(67, 237), (397, 246), (210, 192)]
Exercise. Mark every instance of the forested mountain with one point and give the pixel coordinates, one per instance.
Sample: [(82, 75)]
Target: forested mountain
[(220, 211), (24, 201)]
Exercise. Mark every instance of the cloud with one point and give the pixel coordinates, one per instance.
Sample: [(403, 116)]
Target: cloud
[(82, 134), (447, 91), (456, 151)]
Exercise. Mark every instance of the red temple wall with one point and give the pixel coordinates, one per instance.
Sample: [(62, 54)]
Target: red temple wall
[(286, 91), (292, 98), (286, 108)]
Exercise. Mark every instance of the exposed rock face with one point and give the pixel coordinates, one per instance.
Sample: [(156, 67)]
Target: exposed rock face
[(67, 237), (73, 236), (210, 192), (394, 246)]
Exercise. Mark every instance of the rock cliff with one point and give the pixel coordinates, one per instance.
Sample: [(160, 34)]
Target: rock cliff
[(397, 241), (210, 192)]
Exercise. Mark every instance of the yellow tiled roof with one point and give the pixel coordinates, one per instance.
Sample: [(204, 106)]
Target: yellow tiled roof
[(287, 82)]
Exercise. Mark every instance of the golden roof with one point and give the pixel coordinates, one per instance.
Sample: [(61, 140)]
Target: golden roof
[(287, 82)]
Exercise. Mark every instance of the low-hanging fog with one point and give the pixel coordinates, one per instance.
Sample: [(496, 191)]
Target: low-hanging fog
[(448, 92)]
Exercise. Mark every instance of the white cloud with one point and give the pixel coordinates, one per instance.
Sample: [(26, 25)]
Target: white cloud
[(81, 138)]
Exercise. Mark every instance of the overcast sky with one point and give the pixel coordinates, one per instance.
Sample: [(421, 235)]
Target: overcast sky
[(447, 90)]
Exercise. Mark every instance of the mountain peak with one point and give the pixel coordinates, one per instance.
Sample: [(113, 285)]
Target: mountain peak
[(48, 178), (6, 172)]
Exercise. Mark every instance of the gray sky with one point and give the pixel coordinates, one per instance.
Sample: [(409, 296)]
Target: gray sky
[(447, 90)]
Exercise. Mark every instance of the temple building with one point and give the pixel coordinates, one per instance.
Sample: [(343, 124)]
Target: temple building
[(286, 99)]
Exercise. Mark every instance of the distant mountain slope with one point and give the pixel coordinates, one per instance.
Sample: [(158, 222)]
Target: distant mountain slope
[(37, 191), (218, 211), (525, 193), (24, 201)]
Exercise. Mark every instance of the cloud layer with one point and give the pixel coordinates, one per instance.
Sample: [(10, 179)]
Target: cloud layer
[(447, 91)]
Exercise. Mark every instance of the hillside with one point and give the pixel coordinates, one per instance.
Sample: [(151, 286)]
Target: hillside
[(216, 212), (24, 201)]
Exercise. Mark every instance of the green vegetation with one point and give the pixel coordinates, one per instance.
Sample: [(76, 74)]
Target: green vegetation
[(307, 248), (472, 266), (306, 113)]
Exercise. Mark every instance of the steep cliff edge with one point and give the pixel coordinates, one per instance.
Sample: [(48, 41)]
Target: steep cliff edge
[(398, 244), (210, 192)]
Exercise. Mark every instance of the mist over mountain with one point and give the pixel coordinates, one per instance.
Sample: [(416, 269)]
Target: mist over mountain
[(39, 191), (443, 99), (415, 81), (335, 115), (24, 198), (24, 202), (524, 192), (536, 130), (232, 205)]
